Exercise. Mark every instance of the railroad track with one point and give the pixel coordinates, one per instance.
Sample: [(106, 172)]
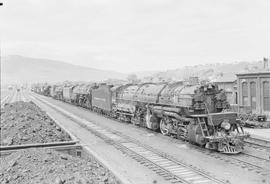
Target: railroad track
[(7, 99), (170, 169), (14, 97), (4, 100), (244, 160), (23, 98), (258, 143)]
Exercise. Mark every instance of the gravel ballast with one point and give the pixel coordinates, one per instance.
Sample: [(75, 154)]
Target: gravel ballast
[(26, 123), (46, 166)]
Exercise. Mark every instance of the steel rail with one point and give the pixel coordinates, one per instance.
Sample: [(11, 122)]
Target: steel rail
[(4, 100), (7, 99), (258, 142), (170, 169), (238, 161)]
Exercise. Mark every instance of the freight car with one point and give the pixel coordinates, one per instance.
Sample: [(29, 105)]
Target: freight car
[(195, 113), (41, 88), (57, 92), (68, 95)]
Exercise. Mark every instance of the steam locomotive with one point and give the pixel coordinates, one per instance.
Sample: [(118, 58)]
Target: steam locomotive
[(192, 112)]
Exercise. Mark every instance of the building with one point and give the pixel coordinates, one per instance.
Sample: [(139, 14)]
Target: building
[(228, 83), (254, 91)]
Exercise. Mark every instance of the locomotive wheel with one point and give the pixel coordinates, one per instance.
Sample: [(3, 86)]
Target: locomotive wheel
[(164, 127), (181, 134)]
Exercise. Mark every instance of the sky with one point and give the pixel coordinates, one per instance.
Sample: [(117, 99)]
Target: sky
[(136, 35)]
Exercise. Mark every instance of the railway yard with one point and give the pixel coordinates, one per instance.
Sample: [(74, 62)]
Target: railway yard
[(135, 92), (104, 150)]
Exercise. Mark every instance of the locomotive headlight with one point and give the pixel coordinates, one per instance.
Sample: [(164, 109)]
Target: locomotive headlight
[(226, 125)]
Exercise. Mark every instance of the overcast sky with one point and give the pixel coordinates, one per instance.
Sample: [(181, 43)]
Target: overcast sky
[(136, 35)]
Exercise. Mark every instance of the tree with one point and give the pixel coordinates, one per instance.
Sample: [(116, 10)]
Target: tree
[(132, 78)]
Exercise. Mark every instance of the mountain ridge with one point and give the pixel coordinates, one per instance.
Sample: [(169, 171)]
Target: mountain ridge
[(21, 69), (212, 72)]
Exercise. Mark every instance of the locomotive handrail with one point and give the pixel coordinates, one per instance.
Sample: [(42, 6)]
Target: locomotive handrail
[(210, 118)]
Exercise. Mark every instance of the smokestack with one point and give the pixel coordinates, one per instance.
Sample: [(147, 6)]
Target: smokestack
[(265, 63)]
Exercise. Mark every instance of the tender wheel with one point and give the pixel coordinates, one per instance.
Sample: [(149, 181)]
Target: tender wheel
[(164, 127)]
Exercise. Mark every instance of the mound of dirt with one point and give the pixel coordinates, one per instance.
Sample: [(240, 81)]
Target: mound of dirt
[(26, 123), (47, 166)]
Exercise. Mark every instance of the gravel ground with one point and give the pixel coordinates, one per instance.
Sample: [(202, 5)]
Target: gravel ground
[(47, 166), (26, 123)]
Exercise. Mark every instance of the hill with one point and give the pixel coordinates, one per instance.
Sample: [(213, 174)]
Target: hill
[(19, 69), (212, 72)]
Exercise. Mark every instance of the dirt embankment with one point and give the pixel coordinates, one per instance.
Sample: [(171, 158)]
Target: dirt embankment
[(26, 123), (46, 166)]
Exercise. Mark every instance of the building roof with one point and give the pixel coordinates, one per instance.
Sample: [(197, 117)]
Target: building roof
[(226, 77), (254, 73)]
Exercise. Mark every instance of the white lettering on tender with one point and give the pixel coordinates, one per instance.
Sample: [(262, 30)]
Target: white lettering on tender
[(100, 99)]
